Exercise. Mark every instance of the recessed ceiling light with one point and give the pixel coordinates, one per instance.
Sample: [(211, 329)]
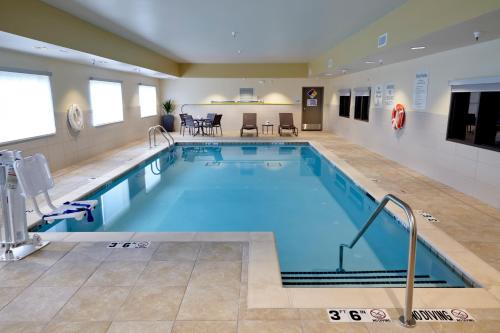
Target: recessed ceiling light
[(239, 51), (370, 62), (262, 81), (418, 48), (41, 47)]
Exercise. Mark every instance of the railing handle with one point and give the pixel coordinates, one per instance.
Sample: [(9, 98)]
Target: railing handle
[(407, 318), (158, 128)]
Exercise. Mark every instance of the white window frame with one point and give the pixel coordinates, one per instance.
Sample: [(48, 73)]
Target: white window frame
[(96, 104), (141, 102), (51, 128)]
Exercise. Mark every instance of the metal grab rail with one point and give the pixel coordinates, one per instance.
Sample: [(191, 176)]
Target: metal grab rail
[(152, 135), (407, 318)]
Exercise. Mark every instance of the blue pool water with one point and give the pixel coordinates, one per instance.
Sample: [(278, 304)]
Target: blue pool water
[(288, 189)]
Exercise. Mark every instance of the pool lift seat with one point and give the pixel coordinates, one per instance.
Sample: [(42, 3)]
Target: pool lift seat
[(35, 178)]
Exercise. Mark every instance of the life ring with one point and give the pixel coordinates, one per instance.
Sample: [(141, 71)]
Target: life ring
[(75, 117), (398, 116)]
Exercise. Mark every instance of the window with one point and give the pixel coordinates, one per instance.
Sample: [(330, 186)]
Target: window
[(26, 109), (106, 102), (344, 102), (147, 101), (474, 117), (362, 103)]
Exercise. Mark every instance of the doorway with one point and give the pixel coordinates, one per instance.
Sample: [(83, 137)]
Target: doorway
[(312, 108)]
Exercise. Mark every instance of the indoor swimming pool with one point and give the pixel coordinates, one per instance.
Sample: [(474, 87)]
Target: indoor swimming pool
[(289, 189)]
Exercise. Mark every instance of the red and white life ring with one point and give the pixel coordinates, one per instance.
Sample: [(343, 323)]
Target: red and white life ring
[(398, 116)]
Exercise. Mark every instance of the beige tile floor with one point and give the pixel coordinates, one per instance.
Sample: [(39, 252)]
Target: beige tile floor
[(171, 287), (199, 286)]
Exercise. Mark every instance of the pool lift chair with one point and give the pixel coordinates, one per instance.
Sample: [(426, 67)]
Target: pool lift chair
[(26, 178), (15, 241)]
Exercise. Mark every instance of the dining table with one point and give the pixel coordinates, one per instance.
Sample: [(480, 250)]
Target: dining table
[(200, 129)]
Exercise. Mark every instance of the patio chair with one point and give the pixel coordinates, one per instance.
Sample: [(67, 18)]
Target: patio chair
[(192, 126), (249, 123), (211, 116), (216, 125), (183, 121), (286, 123)]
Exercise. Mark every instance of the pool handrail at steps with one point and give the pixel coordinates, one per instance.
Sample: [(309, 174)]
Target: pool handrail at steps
[(152, 135), (407, 319)]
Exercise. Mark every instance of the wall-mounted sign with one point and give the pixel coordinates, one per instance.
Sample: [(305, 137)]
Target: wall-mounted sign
[(420, 90), (358, 316), (378, 93), (389, 92), (312, 102), (312, 93)]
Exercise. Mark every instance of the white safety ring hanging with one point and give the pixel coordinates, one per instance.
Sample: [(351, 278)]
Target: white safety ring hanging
[(75, 117)]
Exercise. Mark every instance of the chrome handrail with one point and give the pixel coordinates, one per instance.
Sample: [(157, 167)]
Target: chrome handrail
[(152, 135), (407, 318)]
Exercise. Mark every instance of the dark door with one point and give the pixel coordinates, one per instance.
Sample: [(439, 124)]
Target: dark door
[(312, 108)]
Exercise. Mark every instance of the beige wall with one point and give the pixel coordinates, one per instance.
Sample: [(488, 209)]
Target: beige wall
[(198, 91), (70, 85), (422, 144)]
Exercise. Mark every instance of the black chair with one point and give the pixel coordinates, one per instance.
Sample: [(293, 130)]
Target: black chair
[(211, 116), (192, 126), (208, 123), (249, 123), (215, 125), (183, 121)]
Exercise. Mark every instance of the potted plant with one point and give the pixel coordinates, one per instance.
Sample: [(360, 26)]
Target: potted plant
[(167, 120)]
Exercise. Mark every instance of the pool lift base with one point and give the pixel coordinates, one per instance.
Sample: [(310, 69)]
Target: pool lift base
[(15, 241), (22, 251)]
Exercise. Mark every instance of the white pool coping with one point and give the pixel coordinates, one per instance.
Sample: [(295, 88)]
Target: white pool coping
[(265, 288)]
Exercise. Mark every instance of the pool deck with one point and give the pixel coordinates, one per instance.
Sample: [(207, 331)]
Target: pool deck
[(254, 301)]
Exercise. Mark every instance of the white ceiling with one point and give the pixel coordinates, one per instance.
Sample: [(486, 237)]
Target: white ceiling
[(199, 31)]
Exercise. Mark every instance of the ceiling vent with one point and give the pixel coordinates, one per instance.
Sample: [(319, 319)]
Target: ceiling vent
[(382, 40)]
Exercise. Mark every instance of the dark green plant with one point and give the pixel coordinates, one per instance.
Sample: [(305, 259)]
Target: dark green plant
[(168, 106)]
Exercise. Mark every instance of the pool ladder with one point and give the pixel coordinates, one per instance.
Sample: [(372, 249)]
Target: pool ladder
[(407, 318), (159, 129)]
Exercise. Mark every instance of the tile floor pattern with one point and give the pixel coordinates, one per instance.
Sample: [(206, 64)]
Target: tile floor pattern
[(178, 287), (77, 287)]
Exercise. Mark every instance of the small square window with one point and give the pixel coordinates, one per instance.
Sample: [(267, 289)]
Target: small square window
[(474, 118), (106, 102), (362, 108), (362, 103), (344, 106), (147, 101)]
